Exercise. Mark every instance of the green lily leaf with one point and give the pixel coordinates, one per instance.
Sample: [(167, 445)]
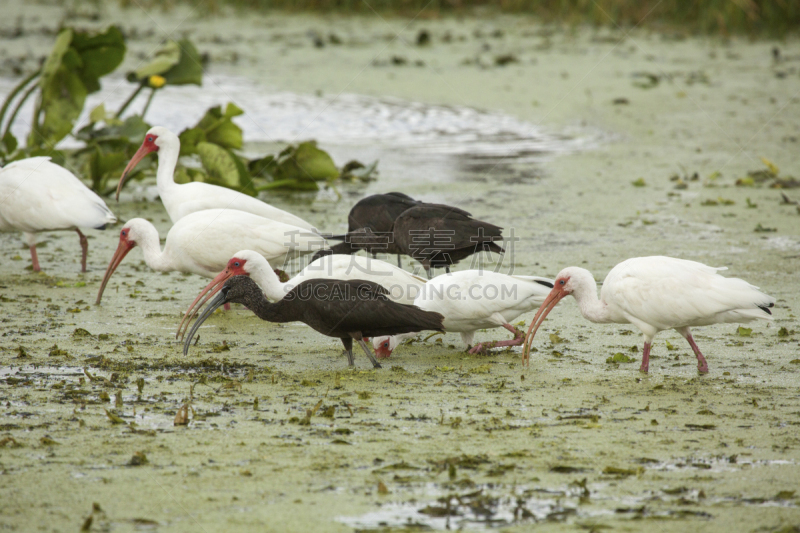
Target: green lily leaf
[(164, 59), (305, 161), (178, 62), (188, 69), (215, 127), (130, 130), (100, 53), (224, 168), (69, 74), (9, 142)]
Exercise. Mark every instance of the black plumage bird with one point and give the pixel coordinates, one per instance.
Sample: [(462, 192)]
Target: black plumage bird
[(369, 225), (347, 309), (439, 235)]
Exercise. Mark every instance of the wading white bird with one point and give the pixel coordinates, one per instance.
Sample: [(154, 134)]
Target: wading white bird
[(37, 195), (403, 286), (658, 293), (476, 299), (182, 199), (201, 243)]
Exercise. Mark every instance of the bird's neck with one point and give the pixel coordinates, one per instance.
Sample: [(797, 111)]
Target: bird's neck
[(153, 256), (265, 310), (592, 308), (167, 160), (266, 278)]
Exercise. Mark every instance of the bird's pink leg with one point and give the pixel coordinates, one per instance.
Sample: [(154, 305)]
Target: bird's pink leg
[(34, 258), (702, 365), (227, 307), (84, 249), (519, 336), (645, 358)]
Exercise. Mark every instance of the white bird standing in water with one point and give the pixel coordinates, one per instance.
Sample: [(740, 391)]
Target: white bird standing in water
[(37, 195), (475, 299), (201, 243), (182, 199), (658, 293)]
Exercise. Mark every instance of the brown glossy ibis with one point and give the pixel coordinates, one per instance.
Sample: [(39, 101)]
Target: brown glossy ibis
[(439, 235), (347, 309), (373, 215)]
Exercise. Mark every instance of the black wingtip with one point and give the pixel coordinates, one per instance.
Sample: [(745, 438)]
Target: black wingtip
[(545, 283), (101, 227), (765, 308)]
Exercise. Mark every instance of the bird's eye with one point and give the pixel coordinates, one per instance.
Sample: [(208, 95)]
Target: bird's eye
[(150, 139), (124, 233), (386, 344), (236, 264), (561, 282)]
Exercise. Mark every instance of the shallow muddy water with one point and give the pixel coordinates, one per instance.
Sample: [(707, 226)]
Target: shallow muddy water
[(283, 437)]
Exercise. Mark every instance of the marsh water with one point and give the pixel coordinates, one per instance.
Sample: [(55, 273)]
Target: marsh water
[(589, 146)]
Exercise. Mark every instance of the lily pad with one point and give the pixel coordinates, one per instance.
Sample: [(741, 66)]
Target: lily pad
[(224, 167)]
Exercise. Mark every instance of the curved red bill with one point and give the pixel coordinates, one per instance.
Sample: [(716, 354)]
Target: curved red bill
[(143, 150), (549, 303), (123, 248), (209, 291)]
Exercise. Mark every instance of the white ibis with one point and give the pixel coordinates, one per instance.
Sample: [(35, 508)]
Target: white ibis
[(182, 199), (201, 243), (440, 235), (403, 286), (37, 195), (658, 293), (347, 309), (476, 299)]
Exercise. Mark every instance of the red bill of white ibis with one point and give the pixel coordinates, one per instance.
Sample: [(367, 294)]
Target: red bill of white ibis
[(37, 195), (347, 309), (403, 286), (476, 299), (440, 235), (182, 199), (658, 293), (202, 242)]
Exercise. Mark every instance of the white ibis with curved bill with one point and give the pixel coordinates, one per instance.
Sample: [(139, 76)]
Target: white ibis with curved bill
[(348, 309), (37, 195), (476, 299), (403, 286), (182, 199), (201, 243), (658, 293)]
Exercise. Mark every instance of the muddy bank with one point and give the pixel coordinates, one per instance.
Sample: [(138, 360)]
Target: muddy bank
[(284, 437)]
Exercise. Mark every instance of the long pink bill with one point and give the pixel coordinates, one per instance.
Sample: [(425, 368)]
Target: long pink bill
[(209, 291), (549, 303), (138, 156), (122, 250)]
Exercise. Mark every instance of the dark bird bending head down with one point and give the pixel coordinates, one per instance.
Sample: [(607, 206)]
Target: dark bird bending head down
[(346, 309)]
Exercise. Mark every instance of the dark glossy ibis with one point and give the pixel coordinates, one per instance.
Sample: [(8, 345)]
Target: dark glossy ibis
[(373, 215), (347, 309), (439, 235)]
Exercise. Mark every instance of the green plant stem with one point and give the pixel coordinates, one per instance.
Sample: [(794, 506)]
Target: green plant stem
[(17, 108), (149, 99), (21, 85), (129, 100)]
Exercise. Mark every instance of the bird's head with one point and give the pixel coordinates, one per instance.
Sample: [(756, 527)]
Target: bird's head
[(384, 346), (135, 231), (155, 138), (243, 263), (238, 289), (568, 281)]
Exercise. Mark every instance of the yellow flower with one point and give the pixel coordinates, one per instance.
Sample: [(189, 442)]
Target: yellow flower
[(156, 81)]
